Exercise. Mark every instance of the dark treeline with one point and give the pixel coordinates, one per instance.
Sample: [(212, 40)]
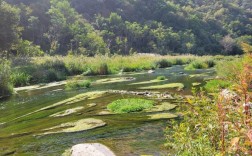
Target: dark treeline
[(89, 27)]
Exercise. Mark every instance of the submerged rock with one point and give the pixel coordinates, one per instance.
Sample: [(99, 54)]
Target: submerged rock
[(165, 106), (151, 71), (196, 84), (91, 149), (148, 82), (144, 93), (166, 86), (67, 112), (39, 87), (114, 80), (78, 126), (162, 116)]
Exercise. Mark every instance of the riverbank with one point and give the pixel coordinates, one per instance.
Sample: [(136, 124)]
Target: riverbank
[(31, 71)]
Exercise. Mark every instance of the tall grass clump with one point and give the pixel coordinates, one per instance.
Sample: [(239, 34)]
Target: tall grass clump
[(20, 79), (77, 84), (163, 63), (201, 63), (6, 87)]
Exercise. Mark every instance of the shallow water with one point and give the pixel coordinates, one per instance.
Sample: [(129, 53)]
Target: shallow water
[(125, 134)]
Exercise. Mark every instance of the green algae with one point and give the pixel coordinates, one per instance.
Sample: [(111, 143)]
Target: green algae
[(130, 105), (78, 126), (165, 86), (85, 96)]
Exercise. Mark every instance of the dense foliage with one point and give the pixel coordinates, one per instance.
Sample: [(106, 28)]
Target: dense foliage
[(220, 124), (125, 26)]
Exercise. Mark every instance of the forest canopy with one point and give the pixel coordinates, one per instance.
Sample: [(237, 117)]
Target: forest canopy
[(37, 27)]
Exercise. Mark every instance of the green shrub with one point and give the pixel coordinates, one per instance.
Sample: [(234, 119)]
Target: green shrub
[(76, 84), (20, 79), (54, 75), (163, 63), (161, 78), (130, 105), (213, 86), (6, 87)]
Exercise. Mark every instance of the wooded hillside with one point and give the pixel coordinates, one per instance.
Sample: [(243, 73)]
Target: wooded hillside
[(124, 26)]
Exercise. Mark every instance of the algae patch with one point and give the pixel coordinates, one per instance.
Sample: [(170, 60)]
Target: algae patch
[(114, 80), (162, 116), (165, 86), (130, 105), (78, 126), (75, 99)]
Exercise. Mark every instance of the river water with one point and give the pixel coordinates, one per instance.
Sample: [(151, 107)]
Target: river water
[(125, 134)]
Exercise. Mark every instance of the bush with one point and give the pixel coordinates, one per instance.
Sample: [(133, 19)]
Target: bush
[(163, 63), (6, 87), (19, 79), (213, 86), (210, 63), (76, 84), (161, 78), (54, 75), (130, 105)]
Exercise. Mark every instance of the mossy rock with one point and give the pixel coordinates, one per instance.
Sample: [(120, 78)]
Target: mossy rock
[(198, 75), (67, 112), (105, 112), (114, 80), (165, 106), (162, 116), (78, 126), (165, 86)]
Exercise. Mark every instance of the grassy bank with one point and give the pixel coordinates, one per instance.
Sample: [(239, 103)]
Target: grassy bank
[(49, 69), (28, 71)]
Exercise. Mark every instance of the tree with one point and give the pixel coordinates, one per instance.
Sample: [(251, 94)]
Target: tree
[(9, 30), (228, 43)]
